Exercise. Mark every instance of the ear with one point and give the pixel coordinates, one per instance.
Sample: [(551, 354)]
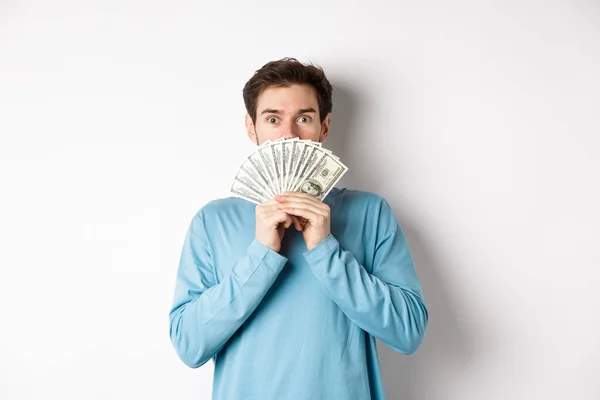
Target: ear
[(250, 131), (325, 128)]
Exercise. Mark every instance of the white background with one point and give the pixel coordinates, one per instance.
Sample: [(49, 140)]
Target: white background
[(477, 121)]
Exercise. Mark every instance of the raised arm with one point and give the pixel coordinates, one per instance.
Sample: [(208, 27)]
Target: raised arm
[(205, 314), (386, 302)]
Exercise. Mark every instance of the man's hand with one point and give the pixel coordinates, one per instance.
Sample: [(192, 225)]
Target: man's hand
[(314, 213), (271, 224)]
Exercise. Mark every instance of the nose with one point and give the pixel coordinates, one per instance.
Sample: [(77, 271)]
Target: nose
[(289, 135), (290, 130)]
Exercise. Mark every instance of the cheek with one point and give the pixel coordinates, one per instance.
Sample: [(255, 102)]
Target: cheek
[(267, 130), (269, 135), (311, 132)]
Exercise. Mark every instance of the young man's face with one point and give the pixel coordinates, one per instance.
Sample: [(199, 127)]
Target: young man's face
[(288, 112)]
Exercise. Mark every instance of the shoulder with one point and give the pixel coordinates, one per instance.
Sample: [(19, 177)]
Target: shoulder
[(359, 197), (224, 206), (372, 207)]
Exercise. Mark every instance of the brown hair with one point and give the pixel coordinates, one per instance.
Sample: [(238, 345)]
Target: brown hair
[(286, 72)]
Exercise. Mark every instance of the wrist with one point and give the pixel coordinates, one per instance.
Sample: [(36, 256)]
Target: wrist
[(272, 246), (312, 245)]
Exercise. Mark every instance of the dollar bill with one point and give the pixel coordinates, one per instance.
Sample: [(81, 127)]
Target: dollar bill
[(244, 178), (266, 156), (261, 170), (286, 152), (241, 190), (297, 146), (322, 176), (248, 169), (307, 163), (304, 149), (278, 160), (287, 165)]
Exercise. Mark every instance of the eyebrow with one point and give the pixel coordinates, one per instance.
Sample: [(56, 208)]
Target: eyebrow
[(300, 111)]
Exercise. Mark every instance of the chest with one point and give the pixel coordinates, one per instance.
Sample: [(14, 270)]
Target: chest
[(236, 236)]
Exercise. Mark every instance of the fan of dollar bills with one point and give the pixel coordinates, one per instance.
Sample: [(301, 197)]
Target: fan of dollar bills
[(287, 165)]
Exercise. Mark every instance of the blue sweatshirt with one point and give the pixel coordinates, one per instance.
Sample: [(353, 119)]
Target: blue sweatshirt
[(296, 324)]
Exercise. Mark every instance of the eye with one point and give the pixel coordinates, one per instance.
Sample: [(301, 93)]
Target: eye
[(304, 119), (272, 120)]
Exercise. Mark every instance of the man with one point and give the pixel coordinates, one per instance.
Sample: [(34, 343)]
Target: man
[(293, 313)]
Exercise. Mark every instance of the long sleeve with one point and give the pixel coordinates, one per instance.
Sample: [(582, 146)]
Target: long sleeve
[(387, 303), (205, 314)]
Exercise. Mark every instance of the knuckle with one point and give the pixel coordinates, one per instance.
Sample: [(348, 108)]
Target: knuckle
[(281, 214)]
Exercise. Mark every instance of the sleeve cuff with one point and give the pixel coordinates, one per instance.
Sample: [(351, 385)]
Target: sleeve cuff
[(326, 248), (271, 258)]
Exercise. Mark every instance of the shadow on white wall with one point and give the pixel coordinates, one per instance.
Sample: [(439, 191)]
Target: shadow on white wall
[(445, 345)]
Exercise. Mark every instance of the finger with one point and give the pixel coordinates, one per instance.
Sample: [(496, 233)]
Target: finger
[(292, 218), (288, 222), (305, 206), (266, 209), (267, 203), (279, 217), (269, 210), (292, 199), (297, 223), (301, 195), (302, 212), (298, 195), (301, 199)]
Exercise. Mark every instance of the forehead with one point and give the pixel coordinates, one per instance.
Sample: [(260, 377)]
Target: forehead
[(291, 97)]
